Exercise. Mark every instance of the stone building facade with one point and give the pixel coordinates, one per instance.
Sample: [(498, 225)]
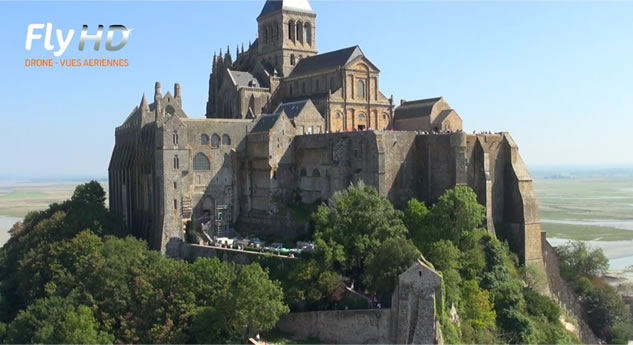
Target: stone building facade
[(265, 140)]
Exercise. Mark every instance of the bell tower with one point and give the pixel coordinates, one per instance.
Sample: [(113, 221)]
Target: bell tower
[(287, 33)]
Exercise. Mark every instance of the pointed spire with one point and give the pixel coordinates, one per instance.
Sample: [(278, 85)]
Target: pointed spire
[(237, 50), (144, 106), (177, 90), (220, 51), (242, 47)]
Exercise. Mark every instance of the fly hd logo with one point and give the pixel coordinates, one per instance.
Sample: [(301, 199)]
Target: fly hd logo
[(62, 40)]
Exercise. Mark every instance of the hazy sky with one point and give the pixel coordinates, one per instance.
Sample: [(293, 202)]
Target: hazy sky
[(557, 75)]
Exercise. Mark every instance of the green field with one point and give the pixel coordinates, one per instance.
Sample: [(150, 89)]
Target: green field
[(596, 208)]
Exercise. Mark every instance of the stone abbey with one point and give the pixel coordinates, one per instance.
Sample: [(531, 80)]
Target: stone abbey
[(285, 121)]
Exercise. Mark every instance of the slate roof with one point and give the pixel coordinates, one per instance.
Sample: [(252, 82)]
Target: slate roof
[(244, 79), (419, 108), (443, 115), (265, 123), (326, 61), (274, 5), (292, 109)]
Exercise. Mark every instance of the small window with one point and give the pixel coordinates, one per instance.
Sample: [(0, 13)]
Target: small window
[(204, 139), (316, 173), (293, 60), (175, 185), (174, 138), (361, 116), (175, 204), (360, 88), (176, 162), (215, 141), (384, 116), (226, 140), (338, 115), (201, 162)]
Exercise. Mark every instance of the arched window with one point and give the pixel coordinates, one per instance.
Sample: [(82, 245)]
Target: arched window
[(385, 116), (215, 141), (176, 162), (201, 162), (303, 172), (360, 88), (291, 30), (316, 173), (174, 138), (300, 32), (204, 139), (338, 115), (292, 59), (226, 140), (308, 33), (361, 116)]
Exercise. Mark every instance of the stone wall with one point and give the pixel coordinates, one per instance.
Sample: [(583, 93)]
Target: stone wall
[(564, 295), (340, 326)]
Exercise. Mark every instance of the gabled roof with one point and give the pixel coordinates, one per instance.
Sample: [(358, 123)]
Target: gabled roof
[(265, 123), (292, 109), (422, 107), (326, 61), (275, 5), (443, 115), (244, 79)]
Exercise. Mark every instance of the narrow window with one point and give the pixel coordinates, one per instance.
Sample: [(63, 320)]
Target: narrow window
[(303, 130), (176, 162), (303, 88), (290, 90), (175, 204), (215, 141), (360, 88), (175, 185), (316, 86), (226, 140), (292, 59), (174, 138)]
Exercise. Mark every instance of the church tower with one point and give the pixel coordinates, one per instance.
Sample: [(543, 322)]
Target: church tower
[(286, 34)]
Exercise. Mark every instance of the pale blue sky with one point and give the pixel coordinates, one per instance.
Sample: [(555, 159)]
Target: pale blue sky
[(557, 75)]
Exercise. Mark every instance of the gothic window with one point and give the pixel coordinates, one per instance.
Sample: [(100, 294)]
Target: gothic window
[(292, 59), (226, 140), (360, 88), (215, 141), (303, 172), (308, 33), (174, 138), (176, 162), (316, 173), (201, 162), (204, 139), (291, 30), (300, 32)]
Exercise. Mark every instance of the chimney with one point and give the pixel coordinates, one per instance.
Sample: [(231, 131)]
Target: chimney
[(403, 101)]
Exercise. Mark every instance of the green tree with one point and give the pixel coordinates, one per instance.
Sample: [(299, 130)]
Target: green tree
[(577, 260), (455, 214), (55, 321), (353, 226), (394, 256)]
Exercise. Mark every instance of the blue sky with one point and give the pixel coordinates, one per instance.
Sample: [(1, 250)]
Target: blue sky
[(557, 75)]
